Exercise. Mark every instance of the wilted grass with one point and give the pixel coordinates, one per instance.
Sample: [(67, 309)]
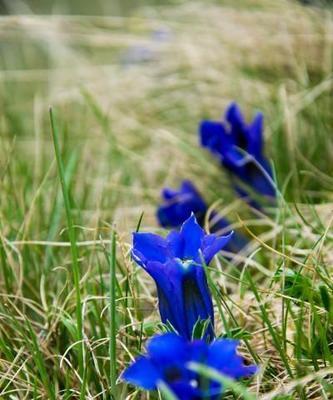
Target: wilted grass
[(126, 129)]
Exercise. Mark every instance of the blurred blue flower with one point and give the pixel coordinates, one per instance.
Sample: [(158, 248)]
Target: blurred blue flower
[(239, 148), (149, 52), (178, 205), (176, 265), (167, 360)]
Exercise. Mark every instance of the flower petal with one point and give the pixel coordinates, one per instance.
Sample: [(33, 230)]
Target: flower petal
[(175, 243), (169, 193), (171, 215), (198, 300), (183, 296), (199, 351), (191, 235), (169, 279), (238, 128), (256, 135), (224, 358), (179, 205), (149, 247), (142, 373), (188, 187), (186, 243), (258, 180), (235, 159), (214, 137), (167, 348), (212, 244), (234, 115)]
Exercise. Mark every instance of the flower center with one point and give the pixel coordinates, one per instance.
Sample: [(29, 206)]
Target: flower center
[(172, 374)]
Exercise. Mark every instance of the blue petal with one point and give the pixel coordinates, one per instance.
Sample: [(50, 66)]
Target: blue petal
[(142, 373), (234, 115), (194, 198), (149, 247), (234, 158), (180, 204), (212, 244), (214, 136), (198, 303), (219, 225), (191, 235), (169, 193), (172, 215), (169, 282), (250, 139), (256, 135), (254, 177), (259, 181), (176, 244), (170, 353), (183, 296), (164, 274), (210, 133), (224, 358), (199, 351), (168, 309), (188, 187), (168, 349), (186, 243)]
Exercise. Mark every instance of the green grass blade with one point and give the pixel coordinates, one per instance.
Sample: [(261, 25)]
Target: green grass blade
[(72, 238), (272, 331), (166, 393), (40, 363), (113, 328)]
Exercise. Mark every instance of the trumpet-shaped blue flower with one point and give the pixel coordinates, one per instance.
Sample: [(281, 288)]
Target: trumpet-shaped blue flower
[(239, 148), (178, 205), (176, 265), (168, 360)]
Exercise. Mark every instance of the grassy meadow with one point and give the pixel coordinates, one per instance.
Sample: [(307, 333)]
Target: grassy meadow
[(126, 94)]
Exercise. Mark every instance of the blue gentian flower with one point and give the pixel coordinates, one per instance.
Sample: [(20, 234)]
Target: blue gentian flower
[(178, 205), (176, 265), (239, 148), (168, 358)]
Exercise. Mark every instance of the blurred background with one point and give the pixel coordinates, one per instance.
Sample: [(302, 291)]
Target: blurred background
[(100, 7), (130, 81)]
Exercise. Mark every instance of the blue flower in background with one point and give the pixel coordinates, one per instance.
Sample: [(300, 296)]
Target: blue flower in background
[(175, 264), (239, 148), (168, 358), (178, 205)]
